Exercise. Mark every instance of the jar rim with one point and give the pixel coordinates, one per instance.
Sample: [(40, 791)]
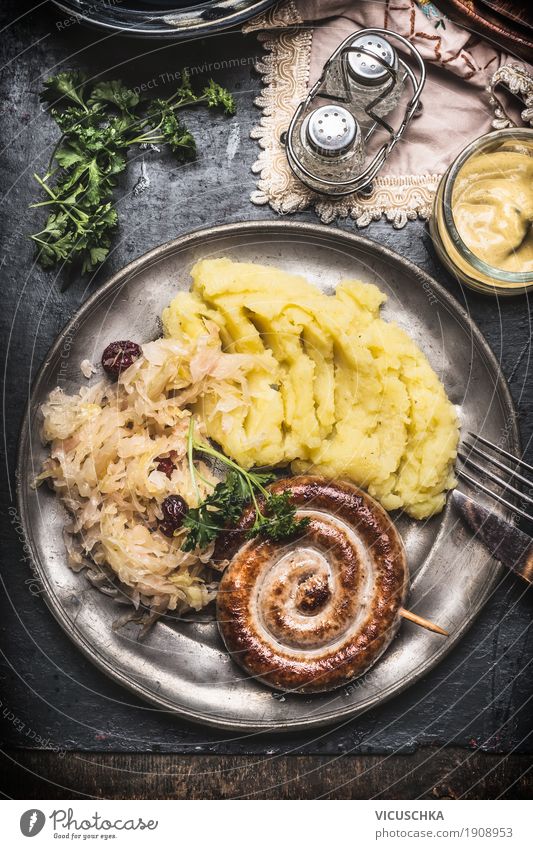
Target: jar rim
[(475, 147)]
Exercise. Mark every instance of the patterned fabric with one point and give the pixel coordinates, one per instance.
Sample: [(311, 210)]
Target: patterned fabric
[(432, 13), (299, 35), (509, 22)]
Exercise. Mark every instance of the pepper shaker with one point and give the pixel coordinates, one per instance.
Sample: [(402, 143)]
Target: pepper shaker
[(363, 81)]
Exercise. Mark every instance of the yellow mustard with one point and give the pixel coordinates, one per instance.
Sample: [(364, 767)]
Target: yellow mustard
[(492, 208)]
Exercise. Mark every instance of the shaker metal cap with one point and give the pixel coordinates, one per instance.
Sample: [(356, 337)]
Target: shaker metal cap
[(331, 130), (363, 67)]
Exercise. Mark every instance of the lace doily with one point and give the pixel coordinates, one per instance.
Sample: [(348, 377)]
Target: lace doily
[(285, 73)]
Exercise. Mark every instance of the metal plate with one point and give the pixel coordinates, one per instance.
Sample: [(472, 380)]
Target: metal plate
[(183, 667), (172, 19)]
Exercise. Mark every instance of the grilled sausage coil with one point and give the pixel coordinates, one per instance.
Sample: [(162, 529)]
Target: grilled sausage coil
[(312, 613)]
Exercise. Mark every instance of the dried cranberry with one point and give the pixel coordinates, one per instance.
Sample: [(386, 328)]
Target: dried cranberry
[(165, 464), (174, 509), (167, 529), (118, 356)]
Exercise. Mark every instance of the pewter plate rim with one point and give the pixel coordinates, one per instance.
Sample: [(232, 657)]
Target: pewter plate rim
[(176, 24), (324, 235)]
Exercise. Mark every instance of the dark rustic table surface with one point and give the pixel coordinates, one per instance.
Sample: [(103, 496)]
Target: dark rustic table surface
[(463, 730)]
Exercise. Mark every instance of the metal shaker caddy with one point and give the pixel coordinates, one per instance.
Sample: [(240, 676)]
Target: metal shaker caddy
[(362, 82)]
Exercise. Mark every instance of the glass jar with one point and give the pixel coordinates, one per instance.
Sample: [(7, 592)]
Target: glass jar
[(450, 247)]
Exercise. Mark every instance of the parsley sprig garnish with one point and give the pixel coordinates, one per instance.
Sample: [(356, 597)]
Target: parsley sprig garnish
[(100, 122), (275, 517)]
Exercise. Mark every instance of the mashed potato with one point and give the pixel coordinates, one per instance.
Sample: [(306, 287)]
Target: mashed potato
[(331, 389)]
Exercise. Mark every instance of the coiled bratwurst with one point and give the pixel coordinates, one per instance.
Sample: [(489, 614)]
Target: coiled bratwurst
[(312, 613)]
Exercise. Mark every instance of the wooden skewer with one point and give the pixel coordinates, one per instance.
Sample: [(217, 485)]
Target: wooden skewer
[(424, 623)]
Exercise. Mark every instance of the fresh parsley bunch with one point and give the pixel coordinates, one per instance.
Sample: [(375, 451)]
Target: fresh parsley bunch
[(275, 516), (100, 122)]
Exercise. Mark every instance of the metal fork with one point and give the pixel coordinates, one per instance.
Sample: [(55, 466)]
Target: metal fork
[(497, 462)]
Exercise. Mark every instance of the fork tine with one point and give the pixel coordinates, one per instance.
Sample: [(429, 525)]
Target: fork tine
[(501, 451), (493, 495), (494, 478), (497, 463)]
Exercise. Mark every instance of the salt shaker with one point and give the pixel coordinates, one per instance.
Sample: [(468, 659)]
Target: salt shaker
[(362, 82)]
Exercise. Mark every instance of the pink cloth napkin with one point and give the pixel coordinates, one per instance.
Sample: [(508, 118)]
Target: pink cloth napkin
[(456, 105)]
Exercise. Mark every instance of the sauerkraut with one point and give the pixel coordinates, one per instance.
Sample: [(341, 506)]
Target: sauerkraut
[(105, 445)]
